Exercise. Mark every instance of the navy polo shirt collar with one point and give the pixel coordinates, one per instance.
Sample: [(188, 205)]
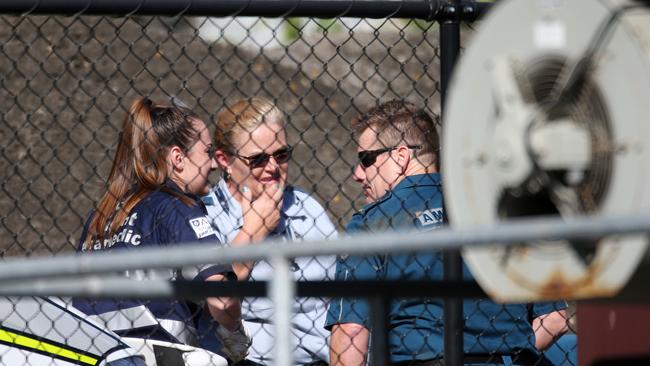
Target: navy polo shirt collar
[(410, 181), (174, 187), (418, 180)]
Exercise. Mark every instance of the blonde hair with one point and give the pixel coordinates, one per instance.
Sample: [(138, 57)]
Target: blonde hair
[(244, 116), (139, 166)]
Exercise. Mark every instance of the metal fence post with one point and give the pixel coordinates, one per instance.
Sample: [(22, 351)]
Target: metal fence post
[(282, 290), (379, 321), (453, 267)]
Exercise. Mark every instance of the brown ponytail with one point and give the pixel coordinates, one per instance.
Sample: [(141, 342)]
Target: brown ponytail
[(139, 166)]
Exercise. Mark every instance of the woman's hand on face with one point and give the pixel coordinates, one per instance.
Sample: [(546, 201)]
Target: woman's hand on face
[(262, 214), (261, 217)]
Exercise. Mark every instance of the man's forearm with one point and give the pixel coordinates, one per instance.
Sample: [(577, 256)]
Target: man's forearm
[(349, 345), (549, 327)]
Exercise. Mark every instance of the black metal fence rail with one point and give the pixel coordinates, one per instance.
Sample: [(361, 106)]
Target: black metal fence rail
[(437, 10)]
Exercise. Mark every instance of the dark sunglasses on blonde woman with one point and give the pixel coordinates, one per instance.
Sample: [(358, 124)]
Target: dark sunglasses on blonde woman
[(281, 156)]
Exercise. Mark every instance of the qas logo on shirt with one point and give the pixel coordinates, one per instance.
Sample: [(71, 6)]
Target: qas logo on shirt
[(430, 217), (201, 227)]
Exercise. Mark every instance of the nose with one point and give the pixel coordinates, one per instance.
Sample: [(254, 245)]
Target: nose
[(272, 162), (272, 165), (359, 175)]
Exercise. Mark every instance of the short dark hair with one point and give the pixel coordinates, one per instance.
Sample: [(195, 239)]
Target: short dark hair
[(401, 122)]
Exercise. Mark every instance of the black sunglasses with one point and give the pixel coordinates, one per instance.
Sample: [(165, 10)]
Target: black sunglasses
[(281, 156), (369, 157)]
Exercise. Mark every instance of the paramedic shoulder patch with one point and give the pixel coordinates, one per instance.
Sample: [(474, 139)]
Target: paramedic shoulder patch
[(432, 217), (201, 227)]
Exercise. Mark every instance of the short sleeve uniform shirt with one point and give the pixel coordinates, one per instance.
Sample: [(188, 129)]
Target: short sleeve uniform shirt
[(416, 325), (159, 219), (303, 218)]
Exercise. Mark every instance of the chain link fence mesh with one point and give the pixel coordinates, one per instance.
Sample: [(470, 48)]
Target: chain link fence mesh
[(67, 82)]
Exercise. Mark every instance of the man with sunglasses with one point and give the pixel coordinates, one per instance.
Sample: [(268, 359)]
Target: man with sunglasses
[(397, 169)]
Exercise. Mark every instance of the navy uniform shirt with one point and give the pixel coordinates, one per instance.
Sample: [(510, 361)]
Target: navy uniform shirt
[(160, 219), (416, 325)]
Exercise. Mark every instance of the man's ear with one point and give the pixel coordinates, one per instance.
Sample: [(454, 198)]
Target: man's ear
[(222, 159), (403, 157), (176, 158)]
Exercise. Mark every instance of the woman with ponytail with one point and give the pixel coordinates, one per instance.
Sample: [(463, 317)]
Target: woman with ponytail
[(160, 170)]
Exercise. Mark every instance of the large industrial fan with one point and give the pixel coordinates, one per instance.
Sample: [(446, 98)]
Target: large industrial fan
[(549, 114)]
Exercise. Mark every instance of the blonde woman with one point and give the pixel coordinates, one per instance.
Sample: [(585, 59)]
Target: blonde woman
[(252, 151)]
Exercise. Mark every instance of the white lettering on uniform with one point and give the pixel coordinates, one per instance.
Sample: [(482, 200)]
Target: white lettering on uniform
[(125, 236), (132, 218), (430, 217), (201, 227)]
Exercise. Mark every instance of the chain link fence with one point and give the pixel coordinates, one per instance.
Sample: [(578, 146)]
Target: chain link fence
[(66, 84)]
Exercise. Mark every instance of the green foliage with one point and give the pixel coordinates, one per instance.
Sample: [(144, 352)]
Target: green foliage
[(292, 28), (329, 25), (422, 25)]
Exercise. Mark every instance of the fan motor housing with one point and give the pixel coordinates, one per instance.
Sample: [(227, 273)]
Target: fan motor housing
[(514, 145)]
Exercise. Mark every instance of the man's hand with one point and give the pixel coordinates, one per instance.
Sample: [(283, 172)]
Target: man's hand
[(349, 345), (549, 327)]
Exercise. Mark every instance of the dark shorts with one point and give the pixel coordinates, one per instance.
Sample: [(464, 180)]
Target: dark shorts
[(521, 359)]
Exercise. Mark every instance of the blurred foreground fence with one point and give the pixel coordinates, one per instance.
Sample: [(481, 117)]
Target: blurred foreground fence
[(84, 275)]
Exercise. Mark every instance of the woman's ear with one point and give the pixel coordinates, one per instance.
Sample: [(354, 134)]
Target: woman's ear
[(222, 159), (176, 158)]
